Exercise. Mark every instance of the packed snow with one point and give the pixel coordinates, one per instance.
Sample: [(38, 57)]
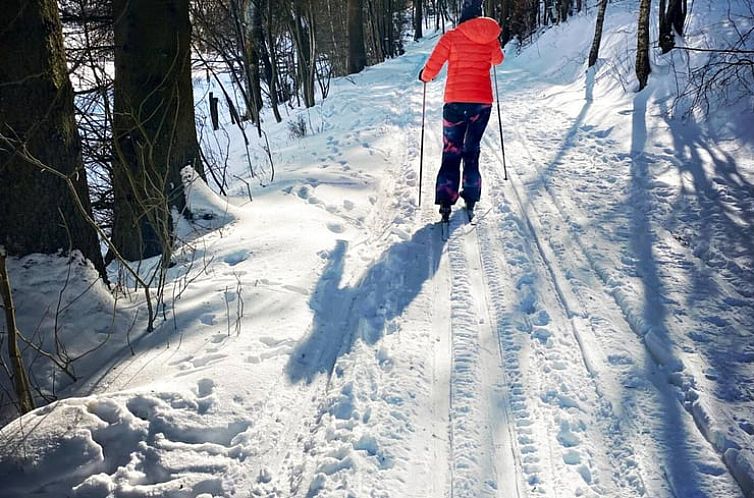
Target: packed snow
[(592, 334)]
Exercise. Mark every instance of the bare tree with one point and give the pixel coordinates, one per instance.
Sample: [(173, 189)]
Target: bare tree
[(357, 57), (20, 376), (672, 18), (418, 18), (643, 67), (303, 28), (594, 53)]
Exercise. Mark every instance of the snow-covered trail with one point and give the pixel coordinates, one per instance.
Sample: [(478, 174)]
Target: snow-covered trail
[(592, 405), (641, 437), (334, 344), (550, 390)]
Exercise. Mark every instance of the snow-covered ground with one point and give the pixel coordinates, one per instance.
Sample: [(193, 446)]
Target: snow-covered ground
[(592, 335)]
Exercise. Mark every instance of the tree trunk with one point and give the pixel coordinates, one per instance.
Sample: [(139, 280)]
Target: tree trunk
[(260, 40), (418, 19), (154, 130), (506, 9), (303, 37), (672, 17), (274, 85), (550, 12), (20, 377), (376, 37), (38, 213), (251, 49), (594, 53), (357, 57), (389, 29), (564, 9), (642, 45), (678, 11)]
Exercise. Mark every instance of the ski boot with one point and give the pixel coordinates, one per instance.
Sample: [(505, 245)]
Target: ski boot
[(470, 209), (445, 213), (445, 221)]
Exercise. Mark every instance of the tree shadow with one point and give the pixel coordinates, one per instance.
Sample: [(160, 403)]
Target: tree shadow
[(364, 310), (722, 201), (569, 142), (717, 208), (681, 470)]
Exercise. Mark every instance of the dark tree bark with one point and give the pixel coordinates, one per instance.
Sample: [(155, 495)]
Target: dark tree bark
[(388, 33), (20, 378), (154, 130), (303, 30), (594, 53), (564, 10), (38, 212), (357, 57), (249, 46), (642, 45), (259, 38), (489, 8), (672, 17), (506, 9), (418, 19), (274, 83)]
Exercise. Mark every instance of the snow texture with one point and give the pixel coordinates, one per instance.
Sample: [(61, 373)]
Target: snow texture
[(590, 335)]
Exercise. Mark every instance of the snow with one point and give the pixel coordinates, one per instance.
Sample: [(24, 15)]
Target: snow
[(590, 336)]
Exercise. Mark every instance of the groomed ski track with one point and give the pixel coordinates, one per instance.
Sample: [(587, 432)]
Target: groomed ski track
[(528, 361), (526, 377)]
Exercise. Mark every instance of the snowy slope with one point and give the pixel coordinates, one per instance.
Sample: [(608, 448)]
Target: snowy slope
[(591, 336)]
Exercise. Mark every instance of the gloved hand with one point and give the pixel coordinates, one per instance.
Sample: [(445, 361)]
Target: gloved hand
[(420, 75)]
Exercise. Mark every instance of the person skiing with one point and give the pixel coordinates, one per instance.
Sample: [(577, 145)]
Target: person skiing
[(470, 49)]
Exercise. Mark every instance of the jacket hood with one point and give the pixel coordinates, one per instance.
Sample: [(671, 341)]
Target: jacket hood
[(480, 30)]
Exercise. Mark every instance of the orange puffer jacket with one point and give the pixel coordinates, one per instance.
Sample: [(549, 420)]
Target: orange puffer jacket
[(470, 49)]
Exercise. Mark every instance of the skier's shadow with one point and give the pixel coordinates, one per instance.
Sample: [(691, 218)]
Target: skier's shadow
[(365, 310)]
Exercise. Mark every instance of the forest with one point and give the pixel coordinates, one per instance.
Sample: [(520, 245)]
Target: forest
[(217, 277), (98, 116)]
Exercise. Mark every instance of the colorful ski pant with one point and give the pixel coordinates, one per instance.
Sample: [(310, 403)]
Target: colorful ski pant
[(463, 125)]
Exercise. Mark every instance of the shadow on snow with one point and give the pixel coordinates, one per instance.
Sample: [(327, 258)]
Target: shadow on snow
[(364, 310)]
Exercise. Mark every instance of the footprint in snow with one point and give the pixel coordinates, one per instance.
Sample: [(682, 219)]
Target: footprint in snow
[(236, 257), (205, 387), (336, 227)]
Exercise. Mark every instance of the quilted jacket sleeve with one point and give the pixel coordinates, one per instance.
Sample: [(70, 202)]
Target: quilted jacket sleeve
[(437, 59), (497, 55)]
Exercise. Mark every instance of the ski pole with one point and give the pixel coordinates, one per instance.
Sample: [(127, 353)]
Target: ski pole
[(500, 124), (421, 148)]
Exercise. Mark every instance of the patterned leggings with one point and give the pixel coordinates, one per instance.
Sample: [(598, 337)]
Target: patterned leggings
[(462, 130)]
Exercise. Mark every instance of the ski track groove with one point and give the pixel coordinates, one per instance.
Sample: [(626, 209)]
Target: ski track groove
[(476, 446), (514, 329), (621, 452), (441, 345), (442, 316), (592, 320), (468, 448)]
